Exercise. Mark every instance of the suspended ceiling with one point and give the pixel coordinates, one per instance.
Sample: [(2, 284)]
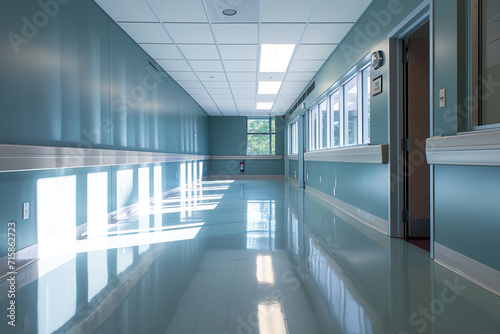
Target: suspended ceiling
[(215, 57)]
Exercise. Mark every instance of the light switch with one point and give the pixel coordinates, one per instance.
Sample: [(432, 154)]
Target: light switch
[(442, 98), (26, 211)]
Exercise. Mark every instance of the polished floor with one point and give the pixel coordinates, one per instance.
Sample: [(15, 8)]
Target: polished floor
[(256, 256)]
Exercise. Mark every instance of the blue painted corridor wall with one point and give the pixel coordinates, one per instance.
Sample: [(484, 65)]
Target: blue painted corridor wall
[(71, 77)]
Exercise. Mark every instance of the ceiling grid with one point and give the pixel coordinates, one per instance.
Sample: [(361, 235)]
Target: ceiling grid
[(216, 58)]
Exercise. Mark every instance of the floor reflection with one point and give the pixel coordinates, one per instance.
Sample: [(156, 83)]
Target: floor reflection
[(245, 257)]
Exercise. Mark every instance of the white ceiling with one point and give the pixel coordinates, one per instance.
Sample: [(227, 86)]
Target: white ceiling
[(215, 57)]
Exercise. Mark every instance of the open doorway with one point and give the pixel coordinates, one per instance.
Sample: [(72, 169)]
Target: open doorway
[(415, 132)]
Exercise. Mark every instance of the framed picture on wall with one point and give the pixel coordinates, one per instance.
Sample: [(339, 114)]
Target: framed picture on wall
[(377, 86)]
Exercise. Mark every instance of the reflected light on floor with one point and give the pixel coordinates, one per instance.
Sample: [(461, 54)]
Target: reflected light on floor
[(138, 239), (265, 272), (271, 319)]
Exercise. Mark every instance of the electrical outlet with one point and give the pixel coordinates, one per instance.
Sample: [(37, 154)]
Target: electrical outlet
[(442, 98), (320, 179), (26, 211), (307, 177)]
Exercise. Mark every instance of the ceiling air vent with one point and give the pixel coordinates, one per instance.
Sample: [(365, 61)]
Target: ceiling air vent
[(303, 97)]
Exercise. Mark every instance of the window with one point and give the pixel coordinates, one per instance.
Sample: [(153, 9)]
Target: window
[(351, 111), (485, 63), (343, 118), (366, 105), (313, 127), (261, 136), (324, 129), (336, 127), (293, 138)]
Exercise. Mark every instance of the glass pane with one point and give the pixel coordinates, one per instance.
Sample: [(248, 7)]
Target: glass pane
[(258, 125), (273, 125), (323, 124), (335, 106), (273, 144), (366, 105), (313, 128), (490, 71), (351, 111), (258, 144)]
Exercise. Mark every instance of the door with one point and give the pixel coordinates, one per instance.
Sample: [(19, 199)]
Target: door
[(416, 131)]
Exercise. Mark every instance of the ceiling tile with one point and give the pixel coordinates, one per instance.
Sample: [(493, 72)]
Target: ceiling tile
[(182, 76), (235, 52), (286, 10), (328, 10), (200, 52), (314, 52), (211, 76), (280, 33), (174, 65), (190, 33), (325, 33), (241, 76), (206, 65), (246, 85), (268, 76), (247, 10), (146, 32), (300, 76), (306, 65), (244, 93), (179, 11), (162, 51), (128, 10), (219, 92), (235, 33), (240, 65), (216, 84)]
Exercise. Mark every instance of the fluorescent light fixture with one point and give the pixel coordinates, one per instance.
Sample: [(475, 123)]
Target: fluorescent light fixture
[(269, 87), (275, 57), (265, 105)]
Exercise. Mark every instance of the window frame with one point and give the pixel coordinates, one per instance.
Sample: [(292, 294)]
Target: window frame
[(475, 89), (270, 134), (363, 99)]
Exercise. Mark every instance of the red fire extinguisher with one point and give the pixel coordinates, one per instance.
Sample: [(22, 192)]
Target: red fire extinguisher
[(242, 166)]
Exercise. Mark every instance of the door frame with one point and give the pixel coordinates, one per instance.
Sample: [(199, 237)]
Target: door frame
[(416, 18)]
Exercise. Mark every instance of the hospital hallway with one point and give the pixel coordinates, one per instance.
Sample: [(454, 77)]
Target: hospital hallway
[(244, 256)]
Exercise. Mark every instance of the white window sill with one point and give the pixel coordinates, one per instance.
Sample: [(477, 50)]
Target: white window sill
[(370, 154), (469, 149)]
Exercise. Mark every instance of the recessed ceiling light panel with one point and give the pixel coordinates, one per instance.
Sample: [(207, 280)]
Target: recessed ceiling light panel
[(275, 57)]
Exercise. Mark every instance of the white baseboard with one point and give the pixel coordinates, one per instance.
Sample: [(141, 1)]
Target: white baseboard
[(292, 180), (364, 217), (471, 269)]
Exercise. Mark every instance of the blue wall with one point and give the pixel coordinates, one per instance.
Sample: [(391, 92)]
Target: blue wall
[(228, 136), (80, 81), (77, 80), (466, 197)]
